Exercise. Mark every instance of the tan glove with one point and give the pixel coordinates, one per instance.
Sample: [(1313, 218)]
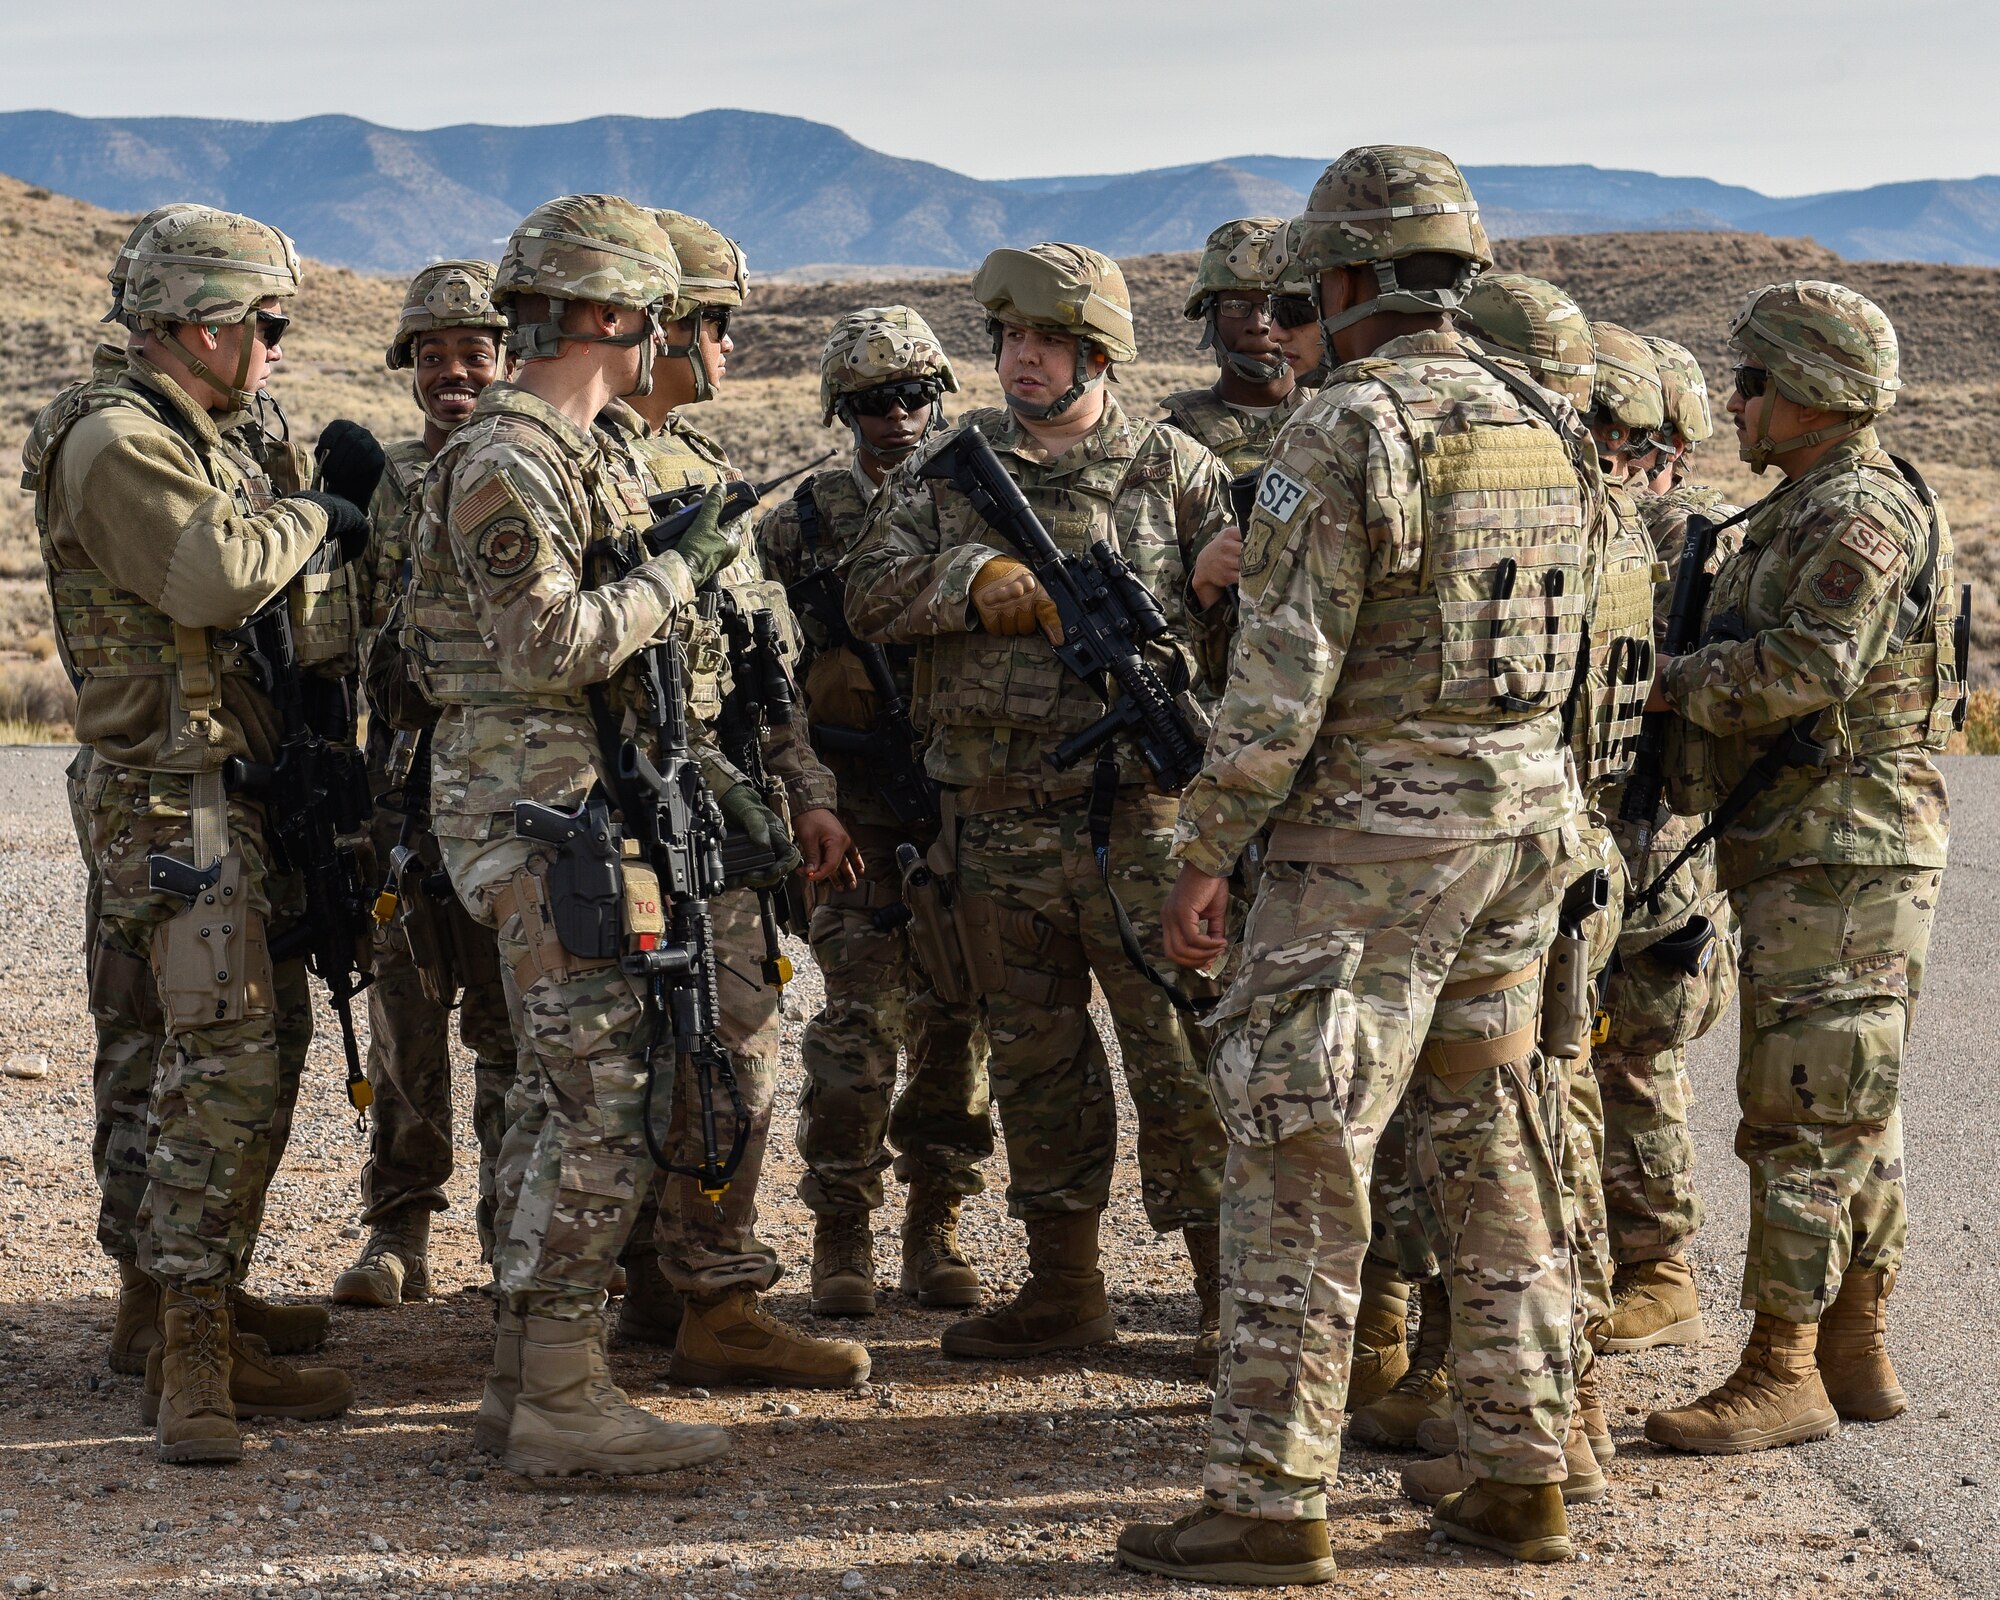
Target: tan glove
[(1011, 602), (838, 690)]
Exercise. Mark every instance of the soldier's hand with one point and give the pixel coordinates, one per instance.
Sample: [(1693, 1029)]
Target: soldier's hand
[(1219, 566), (828, 847), (346, 527), (1656, 697), (707, 547), (350, 462), (1192, 922), (1011, 601), (743, 809)]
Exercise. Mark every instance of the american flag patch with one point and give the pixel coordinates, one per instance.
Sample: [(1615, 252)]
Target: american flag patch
[(487, 501), (1871, 544)]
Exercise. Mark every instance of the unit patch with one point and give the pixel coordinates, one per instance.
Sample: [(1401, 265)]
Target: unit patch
[(507, 547), (1837, 583)]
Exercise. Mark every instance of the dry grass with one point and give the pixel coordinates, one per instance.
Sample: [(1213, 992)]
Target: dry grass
[(35, 695)]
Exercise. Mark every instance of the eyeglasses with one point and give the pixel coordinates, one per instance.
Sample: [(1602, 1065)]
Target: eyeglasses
[(717, 317), (912, 395), (271, 327), (1751, 382), (1239, 310), (1293, 310)]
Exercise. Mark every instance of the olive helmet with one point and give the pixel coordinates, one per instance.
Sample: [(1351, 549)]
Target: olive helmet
[(1235, 260), (715, 275), (878, 345), (597, 248), (122, 262), (446, 294), (1825, 346), (1627, 389), (1059, 288), (1539, 326), (1689, 416)]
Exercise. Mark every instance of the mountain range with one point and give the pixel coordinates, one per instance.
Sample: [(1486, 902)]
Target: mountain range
[(806, 198)]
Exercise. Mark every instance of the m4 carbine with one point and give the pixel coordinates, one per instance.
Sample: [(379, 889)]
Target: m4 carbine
[(1646, 783)]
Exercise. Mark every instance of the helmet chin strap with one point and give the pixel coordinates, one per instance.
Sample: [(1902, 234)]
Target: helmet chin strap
[(1084, 381), (1764, 449), (239, 398), (704, 384), (1243, 366), (1392, 296)]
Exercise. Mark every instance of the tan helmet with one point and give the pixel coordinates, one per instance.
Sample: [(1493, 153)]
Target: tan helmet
[(715, 275), (446, 294), (1825, 346), (1538, 325), (1627, 388), (1059, 288), (1689, 416), (598, 248), (1236, 260), (878, 345), (121, 263)]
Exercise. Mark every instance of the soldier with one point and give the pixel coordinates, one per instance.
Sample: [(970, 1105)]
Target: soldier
[(884, 374), (1420, 825), (1036, 894), (510, 643), (448, 339), (161, 533), (1238, 415), (695, 1268), (1813, 714), (1295, 314)]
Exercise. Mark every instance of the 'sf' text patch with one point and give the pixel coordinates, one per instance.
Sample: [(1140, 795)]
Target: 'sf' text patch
[(1279, 495)]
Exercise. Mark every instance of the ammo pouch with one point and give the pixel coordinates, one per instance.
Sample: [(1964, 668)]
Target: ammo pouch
[(934, 929), (212, 962)]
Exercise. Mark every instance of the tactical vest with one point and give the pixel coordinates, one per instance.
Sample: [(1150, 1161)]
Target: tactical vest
[(1479, 615), (1241, 442), (1616, 673)]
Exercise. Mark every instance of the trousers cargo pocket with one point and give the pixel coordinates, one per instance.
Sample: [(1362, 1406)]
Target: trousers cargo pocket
[(1801, 1223), (182, 1182), (582, 1228), (1665, 1154), (1828, 1042), (1284, 1051)]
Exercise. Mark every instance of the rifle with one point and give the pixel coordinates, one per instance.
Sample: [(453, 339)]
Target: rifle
[(677, 509), (416, 894), (1107, 616), (1646, 783), (889, 744), (1961, 651)]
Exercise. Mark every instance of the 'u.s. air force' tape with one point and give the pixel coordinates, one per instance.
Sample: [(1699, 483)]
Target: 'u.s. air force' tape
[(1279, 495)]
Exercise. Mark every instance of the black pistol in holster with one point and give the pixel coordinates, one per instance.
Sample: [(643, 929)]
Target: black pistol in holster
[(1569, 999)]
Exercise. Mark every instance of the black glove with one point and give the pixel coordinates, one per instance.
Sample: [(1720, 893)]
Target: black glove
[(350, 462), (345, 525)]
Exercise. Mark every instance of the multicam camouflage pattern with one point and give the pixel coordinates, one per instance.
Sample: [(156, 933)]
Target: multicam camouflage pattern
[(121, 264), (878, 345), (1539, 326), (204, 265), (1610, 694), (1319, 1041), (596, 247), (446, 294), (1237, 259), (1240, 437), (1291, 273), (1833, 962), (714, 270), (1386, 201), (1627, 385), (1685, 391), (1825, 344), (1338, 717), (1060, 288), (1817, 586)]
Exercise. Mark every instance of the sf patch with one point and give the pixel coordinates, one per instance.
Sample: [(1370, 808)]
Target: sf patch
[(1871, 544), (1837, 583), (1279, 498), (507, 547), (1279, 494)]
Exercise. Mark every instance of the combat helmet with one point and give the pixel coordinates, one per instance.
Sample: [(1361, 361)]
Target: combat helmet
[(715, 275), (1237, 259), (1627, 399), (1059, 288), (1689, 417), (446, 294), (205, 266), (1379, 204), (1539, 326), (598, 248), (122, 262), (1825, 346), (1293, 278)]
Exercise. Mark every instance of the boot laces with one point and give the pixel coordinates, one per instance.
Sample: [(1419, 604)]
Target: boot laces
[(844, 1245), (206, 1360)]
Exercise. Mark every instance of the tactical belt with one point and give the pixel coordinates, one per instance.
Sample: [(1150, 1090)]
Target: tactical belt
[(1456, 1060)]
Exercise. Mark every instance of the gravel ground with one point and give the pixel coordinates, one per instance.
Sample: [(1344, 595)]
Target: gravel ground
[(939, 1478)]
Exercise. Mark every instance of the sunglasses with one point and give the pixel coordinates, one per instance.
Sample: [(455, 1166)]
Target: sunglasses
[(717, 317), (911, 396), (1293, 310), (1242, 310), (271, 327), (1751, 382)]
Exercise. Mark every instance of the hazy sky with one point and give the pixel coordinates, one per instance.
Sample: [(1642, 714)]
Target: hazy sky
[(1781, 96)]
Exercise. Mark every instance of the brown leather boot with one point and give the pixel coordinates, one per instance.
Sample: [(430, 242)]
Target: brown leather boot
[(194, 1420), (1213, 1546), (1774, 1397), (727, 1338), (1652, 1303), (843, 1265), (503, 1385), (1438, 1436), (1204, 1248), (262, 1385), (1060, 1307), (1424, 1390), (652, 1309), (394, 1265), (1590, 1414), (935, 1268), (1852, 1354), (569, 1416), (287, 1330), (1522, 1520), (135, 1330), (1428, 1482), (1381, 1335)]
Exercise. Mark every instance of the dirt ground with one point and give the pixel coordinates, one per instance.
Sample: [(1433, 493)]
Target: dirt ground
[(939, 1478)]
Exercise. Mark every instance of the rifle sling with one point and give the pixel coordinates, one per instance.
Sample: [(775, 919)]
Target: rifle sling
[(1103, 805)]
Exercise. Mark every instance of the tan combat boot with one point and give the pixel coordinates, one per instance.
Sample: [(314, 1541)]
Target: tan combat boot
[(1060, 1307), (194, 1420), (843, 1265), (135, 1330), (503, 1385), (1652, 1303), (727, 1338), (1428, 1482), (1852, 1354), (652, 1308), (1774, 1397), (1522, 1520), (935, 1269), (1438, 1436), (569, 1416), (1212, 1546), (286, 1330), (394, 1265), (1590, 1413), (1381, 1335), (262, 1385), (1424, 1390), (1204, 1248)]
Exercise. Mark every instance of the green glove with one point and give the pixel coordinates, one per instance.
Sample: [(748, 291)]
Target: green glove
[(743, 809), (707, 547)]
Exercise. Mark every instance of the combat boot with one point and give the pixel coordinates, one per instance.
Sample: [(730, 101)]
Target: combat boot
[(194, 1420), (1213, 1546), (935, 1269), (1060, 1307), (1590, 1414), (261, 1385), (727, 1338), (1438, 1436), (1774, 1397), (1428, 1482), (1204, 1248), (1652, 1303), (652, 1309), (394, 1265), (1852, 1355), (569, 1416), (503, 1385), (1424, 1390), (1522, 1520), (135, 1330), (843, 1265), (1381, 1335), (287, 1330)]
